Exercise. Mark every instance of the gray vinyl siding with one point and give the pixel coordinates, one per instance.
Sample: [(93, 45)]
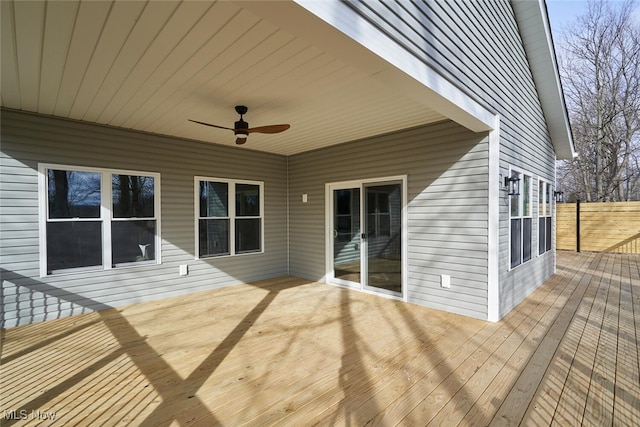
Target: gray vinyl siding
[(477, 47), (473, 44), (29, 139), (446, 167)]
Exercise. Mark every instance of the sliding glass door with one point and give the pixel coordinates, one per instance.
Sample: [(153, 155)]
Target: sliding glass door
[(382, 240), (366, 235), (346, 235)]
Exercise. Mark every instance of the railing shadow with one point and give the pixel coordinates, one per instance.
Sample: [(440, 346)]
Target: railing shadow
[(179, 402)]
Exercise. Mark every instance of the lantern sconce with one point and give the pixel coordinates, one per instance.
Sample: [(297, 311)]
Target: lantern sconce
[(512, 184), (559, 195)]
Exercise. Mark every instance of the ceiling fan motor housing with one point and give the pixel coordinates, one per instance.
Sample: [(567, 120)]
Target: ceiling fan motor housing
[(241, 128)]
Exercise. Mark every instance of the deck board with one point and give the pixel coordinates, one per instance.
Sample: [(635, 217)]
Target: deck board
[(515, 404), (292, 352)]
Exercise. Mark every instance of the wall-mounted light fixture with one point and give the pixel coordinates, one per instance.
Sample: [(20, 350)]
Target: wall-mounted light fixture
[(512, 184), (559, 195)]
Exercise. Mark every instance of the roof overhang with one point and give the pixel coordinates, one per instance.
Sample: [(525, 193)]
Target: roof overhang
[(376, 55), (535, 30), (151, 66)]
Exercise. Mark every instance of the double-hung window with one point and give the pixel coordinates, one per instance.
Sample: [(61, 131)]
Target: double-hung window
[(545, 214), (520, 221), (95, 219), (229, 217)]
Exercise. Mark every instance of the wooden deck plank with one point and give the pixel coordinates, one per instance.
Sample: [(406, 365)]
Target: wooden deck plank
[(426, 369), (291, 352), (397, 374), (571, 405), (513, 409), (524, 375), (626, 409), (482, 359), (497, 376), (599, 403), (436, 372), (357, 365)]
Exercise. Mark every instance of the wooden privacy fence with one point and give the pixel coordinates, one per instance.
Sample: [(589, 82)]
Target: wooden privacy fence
[(598, 227)]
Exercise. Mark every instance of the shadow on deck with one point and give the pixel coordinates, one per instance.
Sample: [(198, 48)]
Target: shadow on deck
[(291, 352)]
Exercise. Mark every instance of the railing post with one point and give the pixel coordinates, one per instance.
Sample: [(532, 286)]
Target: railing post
[(578, 225)]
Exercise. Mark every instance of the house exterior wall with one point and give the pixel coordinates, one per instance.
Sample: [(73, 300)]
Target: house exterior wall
[(447, 177), (28, 140), (473, 45), (477, 46)]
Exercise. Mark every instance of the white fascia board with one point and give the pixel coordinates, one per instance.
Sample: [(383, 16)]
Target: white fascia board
[(361, 45), (533, 24)]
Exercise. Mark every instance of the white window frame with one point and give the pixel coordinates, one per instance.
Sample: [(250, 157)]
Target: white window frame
[(521, 173), (231, 203), (547, 201), (106, 216)]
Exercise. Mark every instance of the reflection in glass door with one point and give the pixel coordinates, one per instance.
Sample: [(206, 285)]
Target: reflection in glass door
[(383, 238), (366, 235), (346, 234)]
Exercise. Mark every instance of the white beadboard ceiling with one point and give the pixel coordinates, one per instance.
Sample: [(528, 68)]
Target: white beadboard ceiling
[(152, 65)]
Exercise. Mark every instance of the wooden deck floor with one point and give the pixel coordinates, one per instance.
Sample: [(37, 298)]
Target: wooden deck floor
[(290, 352)]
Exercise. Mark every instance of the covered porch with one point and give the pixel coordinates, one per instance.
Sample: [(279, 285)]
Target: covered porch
[(292, 352)]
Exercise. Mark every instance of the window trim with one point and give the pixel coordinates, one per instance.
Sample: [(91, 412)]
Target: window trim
[(106, 216), (522, 173), (231, 206)]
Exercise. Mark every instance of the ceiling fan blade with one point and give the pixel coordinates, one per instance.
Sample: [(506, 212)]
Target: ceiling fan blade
[(269, 129), (209, 124), (241, 141)]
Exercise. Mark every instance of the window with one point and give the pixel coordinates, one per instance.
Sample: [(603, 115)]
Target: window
[(521, 221), (545, 213), (133, 224), (97, 219), (229, 217)]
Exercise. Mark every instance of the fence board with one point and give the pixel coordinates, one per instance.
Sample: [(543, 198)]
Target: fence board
[(604, 227)]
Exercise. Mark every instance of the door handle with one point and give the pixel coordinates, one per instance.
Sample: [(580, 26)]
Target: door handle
[(363, 236), (335, 233)]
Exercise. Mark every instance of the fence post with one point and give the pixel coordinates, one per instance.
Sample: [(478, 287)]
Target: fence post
[(578, 225)]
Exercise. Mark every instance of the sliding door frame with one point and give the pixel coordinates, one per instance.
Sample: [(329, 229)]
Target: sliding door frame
[(329, 228)]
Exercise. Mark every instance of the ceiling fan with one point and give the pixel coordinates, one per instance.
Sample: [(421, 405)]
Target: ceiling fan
[(241, 128)]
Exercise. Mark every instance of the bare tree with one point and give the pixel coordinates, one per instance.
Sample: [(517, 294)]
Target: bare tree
[(600, 71)]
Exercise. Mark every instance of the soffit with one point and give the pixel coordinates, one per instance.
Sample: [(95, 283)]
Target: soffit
[(151, 66)]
